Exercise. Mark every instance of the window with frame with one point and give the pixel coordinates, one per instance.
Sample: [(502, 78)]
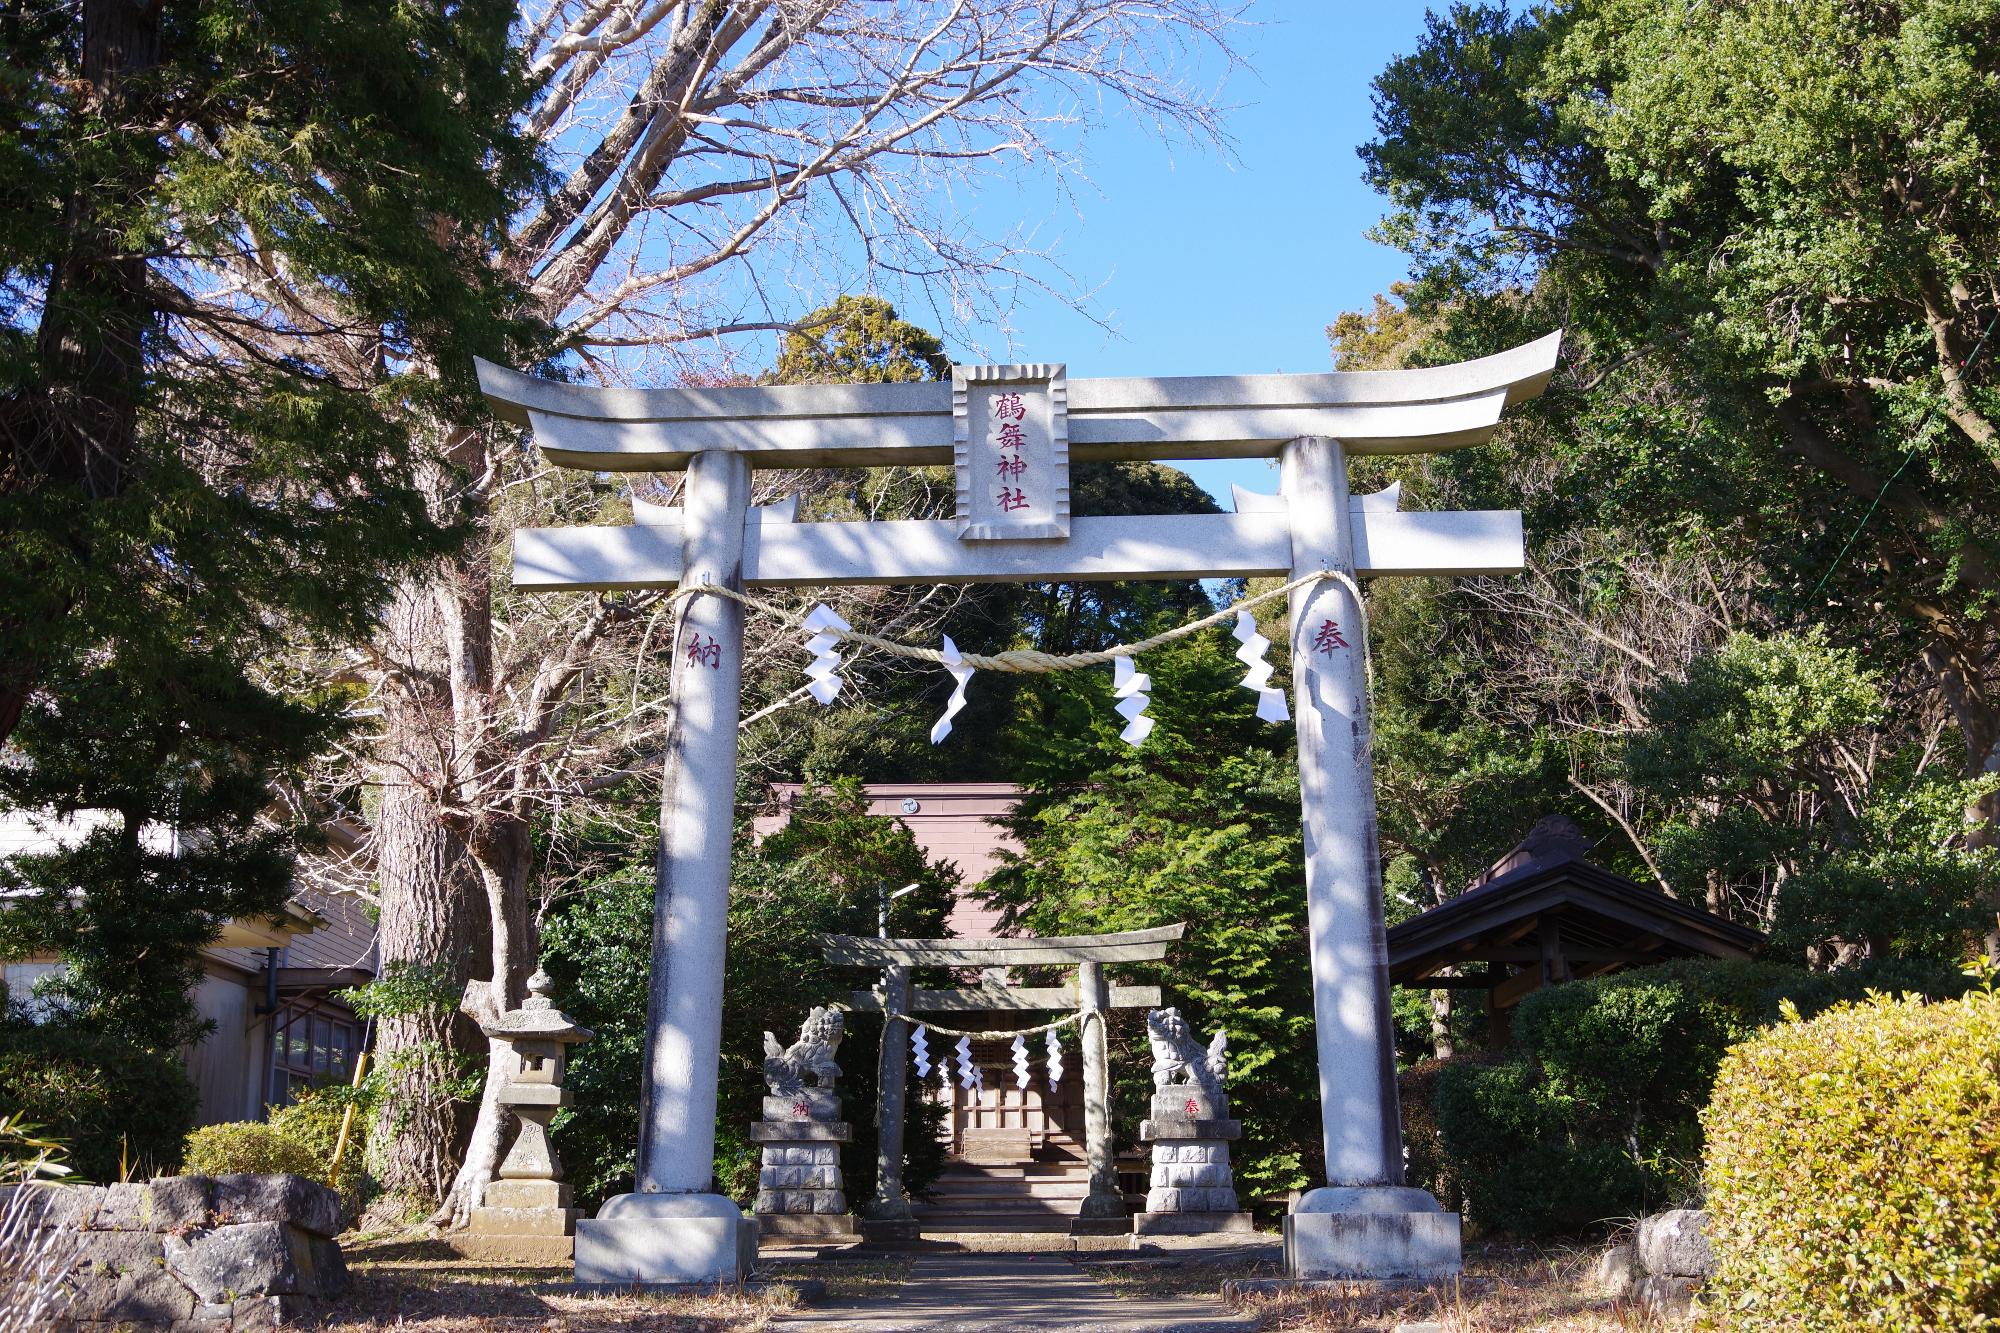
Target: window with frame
[(311, 1049)]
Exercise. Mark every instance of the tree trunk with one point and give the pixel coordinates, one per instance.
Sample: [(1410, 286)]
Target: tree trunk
[(1962, 670), (503, 850), (433, 917)]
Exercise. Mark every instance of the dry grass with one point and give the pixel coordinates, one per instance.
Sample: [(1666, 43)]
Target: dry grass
[(1505, 1289), (422, 1285)]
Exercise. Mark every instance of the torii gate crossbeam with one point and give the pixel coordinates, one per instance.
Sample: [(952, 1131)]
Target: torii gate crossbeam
[(1365, 1223)]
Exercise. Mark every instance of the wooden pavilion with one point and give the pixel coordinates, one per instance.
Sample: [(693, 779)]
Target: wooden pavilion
[(1545, 914)]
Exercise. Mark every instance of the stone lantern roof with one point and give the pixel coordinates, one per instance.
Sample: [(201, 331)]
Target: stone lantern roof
[(538, 1019)]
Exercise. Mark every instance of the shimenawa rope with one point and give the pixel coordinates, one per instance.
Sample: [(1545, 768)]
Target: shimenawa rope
[(1029, 660)]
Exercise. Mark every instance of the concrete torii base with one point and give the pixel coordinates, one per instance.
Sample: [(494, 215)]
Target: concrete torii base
[(1379, 1233), (665, 1240)]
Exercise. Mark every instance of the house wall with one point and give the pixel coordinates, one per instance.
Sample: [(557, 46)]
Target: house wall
[(229, 1066), (953, 821)]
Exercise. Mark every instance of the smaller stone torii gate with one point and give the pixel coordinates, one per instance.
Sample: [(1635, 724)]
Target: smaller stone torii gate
[(896, 999)]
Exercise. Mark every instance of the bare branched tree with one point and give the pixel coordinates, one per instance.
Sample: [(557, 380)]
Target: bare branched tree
[(719, 167)]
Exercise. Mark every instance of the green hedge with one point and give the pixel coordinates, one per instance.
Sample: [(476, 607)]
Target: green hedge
[(116, 1106), (1853, 1170), (1594, 1114), (298, 1140)]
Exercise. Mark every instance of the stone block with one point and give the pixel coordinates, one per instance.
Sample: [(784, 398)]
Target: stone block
[(178, 1202), (805, 1226), (1181, 1127), (257, 1314), (121, 1276), (55, 1205), (242, 1259), (819, 1104), (1667, 1297), (1191, 1175), (527, 1194), (702, 1244), (523, 1221), (798, 1131), (303, 1203), (126, 1206), (1675, 1244), (1192, 1224), (799, 1177), (1191, 1199), (1379, 1246), (1188, 1104), (527, 1251)]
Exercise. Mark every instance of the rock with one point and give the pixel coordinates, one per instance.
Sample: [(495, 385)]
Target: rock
[(121, 1277), (243, 1259), (180, 1202), (303, 1203), (1617, 1270), (56, 1205), (1674, 1244), (126, 1207), (1667, 1297)]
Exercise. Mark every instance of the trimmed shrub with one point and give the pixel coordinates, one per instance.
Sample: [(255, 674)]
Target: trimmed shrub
[(313, 1121), (247, 1148), (298, 1140), (1594, 1115), (119, 1107), (1853, 1170)]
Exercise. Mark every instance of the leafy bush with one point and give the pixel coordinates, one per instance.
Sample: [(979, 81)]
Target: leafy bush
[(247, 1148), (1853, 1170), (119, 1107), (1595, 1114), (298, 1140)]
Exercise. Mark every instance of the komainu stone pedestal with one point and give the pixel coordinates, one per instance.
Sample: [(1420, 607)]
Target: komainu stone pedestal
[(799, 1187), (800, 1191), (1379, 1233), (1193, 1190)]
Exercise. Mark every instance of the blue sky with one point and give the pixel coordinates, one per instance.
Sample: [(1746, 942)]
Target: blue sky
[(1208, 266)]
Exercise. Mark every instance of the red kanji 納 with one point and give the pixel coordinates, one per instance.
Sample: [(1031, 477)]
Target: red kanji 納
[(703, 654)]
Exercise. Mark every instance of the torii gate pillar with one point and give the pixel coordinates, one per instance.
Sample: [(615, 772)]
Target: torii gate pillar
[(674, 1228), (1365, 1223)]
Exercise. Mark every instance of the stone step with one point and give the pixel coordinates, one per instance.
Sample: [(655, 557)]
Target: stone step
[(1018, 1185), (1018, 1170), (998, 1207), (995, 1224)]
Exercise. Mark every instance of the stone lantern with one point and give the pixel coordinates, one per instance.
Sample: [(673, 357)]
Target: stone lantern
[(526, 1215)]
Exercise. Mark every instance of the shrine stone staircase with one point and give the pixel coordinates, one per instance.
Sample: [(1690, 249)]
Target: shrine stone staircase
[(989, 1198)]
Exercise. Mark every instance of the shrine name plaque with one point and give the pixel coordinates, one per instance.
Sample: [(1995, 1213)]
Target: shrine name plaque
[(1010, 448)]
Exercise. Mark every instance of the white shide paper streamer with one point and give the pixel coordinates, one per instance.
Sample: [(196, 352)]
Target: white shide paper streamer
[(1129, 686), (968, 1073), (920, 1051), (1021, 1067), (824, 670), (961, 673), (1055, 1059), (1270, 702)]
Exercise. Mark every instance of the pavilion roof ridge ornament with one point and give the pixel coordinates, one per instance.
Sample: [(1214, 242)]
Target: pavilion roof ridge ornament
[(1171, 417)]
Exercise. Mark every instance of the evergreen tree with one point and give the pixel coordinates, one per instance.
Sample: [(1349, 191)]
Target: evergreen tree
[(203, 458)]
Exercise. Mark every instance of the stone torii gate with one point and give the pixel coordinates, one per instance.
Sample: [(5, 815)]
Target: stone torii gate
[(1011, 432), (1090, 997)]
